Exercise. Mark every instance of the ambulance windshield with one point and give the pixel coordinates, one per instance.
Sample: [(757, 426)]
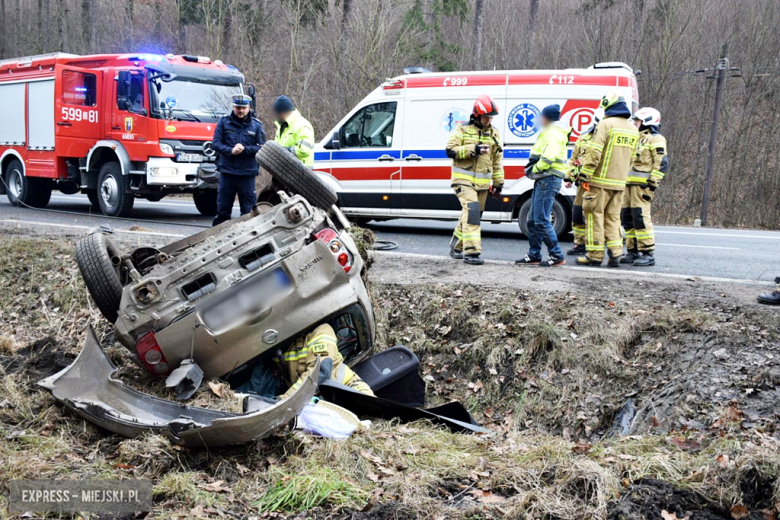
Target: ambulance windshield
[(192, 101)]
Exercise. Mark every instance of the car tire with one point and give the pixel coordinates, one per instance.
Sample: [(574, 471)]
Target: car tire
[(294, 176), (112, 192), (97, 258), (559, 216), (23, 190), (206, 202)]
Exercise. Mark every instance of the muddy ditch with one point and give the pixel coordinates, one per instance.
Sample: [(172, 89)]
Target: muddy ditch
[(618, 406)]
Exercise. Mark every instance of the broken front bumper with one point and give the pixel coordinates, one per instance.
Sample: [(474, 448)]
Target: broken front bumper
[(87, 388)]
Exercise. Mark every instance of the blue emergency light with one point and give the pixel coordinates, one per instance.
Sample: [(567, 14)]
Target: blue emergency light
[(147, 57)]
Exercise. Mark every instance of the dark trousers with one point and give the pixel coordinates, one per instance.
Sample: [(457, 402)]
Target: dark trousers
[(231, 185)]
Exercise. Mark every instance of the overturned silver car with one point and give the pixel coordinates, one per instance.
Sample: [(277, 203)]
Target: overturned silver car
[(221, 299)]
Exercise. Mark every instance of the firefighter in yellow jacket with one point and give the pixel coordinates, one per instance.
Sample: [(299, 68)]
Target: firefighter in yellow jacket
[(603, 177), (302, 356), (650, 166), (575, 164), (476, 153)]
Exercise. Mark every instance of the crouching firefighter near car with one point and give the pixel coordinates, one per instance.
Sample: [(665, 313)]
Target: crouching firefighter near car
[(650, 166), (575, 164), (603, 177), (476, 156), (302, 356)]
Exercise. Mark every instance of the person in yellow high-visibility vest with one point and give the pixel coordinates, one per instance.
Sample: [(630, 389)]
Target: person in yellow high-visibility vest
[(547, 167), (293, 131)]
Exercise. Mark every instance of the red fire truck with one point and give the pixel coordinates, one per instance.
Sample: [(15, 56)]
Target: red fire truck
[(115, 127)]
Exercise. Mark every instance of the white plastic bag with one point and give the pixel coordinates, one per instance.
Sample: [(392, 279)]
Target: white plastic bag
[(326, 422)]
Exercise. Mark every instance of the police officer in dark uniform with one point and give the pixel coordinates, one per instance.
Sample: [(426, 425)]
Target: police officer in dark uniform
[(237, 138)]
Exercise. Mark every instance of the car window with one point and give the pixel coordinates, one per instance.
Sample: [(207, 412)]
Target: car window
[(371, 126)]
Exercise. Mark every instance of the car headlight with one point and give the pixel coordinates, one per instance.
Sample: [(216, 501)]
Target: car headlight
[(164, 171), (166, 148)]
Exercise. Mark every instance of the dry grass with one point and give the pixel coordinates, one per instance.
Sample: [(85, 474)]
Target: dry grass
[(551, 371)]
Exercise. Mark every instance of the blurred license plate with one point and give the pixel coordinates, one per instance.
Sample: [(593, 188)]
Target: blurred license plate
[(189, 157)]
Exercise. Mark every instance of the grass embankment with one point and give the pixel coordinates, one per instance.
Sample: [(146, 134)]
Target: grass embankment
[(547, 373)]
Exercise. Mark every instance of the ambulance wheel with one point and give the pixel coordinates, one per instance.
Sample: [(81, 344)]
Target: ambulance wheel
[(113, 196), (560, 220), (23, 190), (99, 261), (206, 202), (294, 176)]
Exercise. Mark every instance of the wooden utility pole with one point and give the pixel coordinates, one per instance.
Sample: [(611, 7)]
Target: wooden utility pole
[(720, 73)]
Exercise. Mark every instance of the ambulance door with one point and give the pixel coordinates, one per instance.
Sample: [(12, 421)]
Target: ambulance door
[(76, 108), (434, 113), (368, 161)]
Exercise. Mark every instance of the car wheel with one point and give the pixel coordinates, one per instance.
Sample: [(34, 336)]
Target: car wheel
[(206, 202), (112, 190), (26, 191), (560, 220), (98, 261), (294, 176)]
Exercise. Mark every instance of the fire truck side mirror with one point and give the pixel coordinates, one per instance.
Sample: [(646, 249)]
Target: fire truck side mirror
[(123, 90)]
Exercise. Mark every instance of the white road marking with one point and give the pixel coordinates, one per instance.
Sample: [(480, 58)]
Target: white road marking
[(701, 247), (182, 204), (648, 274), (693, 233), (19, 223)]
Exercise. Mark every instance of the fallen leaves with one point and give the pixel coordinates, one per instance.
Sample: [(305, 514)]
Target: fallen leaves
[(685, 444), (739, 511), (666, 515), (217, 388), (581, 448), (486, 496), (215, 487)]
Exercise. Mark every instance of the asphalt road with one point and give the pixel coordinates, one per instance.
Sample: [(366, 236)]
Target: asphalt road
[(745, 255)]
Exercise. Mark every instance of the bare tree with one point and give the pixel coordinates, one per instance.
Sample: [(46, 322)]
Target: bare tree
[(478, 22)]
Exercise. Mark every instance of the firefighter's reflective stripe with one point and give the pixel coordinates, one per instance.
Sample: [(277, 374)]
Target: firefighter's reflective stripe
[(638, 177), (476, 178), (657, 174), (614, 243)]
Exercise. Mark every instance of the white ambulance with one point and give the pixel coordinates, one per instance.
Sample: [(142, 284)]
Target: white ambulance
[(386, 158)]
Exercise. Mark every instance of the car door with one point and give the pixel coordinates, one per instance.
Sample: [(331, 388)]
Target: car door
[(368, 161)]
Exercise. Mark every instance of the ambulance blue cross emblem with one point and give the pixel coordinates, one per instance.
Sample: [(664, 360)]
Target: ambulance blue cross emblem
[(523, 120)]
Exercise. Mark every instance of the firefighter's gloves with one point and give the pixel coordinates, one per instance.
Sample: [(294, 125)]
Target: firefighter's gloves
[(495, 192), (326, 370)]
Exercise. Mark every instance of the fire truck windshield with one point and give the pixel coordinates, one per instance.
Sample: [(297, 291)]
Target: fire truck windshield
[(192, 100)]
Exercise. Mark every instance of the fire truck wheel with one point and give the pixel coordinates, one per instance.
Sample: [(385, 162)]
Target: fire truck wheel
[(113, 196), (98, 261), (92, 195), (294, 176), (26, 191), (560, 219), (206, 202)]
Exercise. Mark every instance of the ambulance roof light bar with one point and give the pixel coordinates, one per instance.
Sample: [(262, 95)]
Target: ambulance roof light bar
[(612, 65)]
